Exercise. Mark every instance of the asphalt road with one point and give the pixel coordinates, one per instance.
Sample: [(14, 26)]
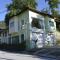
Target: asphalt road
[(16, 56)]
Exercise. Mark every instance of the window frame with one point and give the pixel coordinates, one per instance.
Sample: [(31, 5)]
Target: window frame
[(22, 23), (15, 39), (22, 37), (40, 20), (11, 24)]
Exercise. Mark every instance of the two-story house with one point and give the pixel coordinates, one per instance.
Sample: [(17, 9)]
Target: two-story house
[(34, 27)]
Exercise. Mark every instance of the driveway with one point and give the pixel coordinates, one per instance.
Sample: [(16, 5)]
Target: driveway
[(17, 56)]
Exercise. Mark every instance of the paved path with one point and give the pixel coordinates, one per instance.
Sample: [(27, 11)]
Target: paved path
[(15, 56)]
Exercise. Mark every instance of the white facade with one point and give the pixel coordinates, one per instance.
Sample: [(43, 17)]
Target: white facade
[(39, 32), (21, 29), (13, 25)]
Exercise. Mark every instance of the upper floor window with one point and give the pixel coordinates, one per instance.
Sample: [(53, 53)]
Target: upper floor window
[(38, 23), (11, 24), (22, 22), (51, 23), (18, 25)]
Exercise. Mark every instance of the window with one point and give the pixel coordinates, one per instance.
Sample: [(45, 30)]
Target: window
[(0, 41), (11, 24), (22, 37), (41, 23), (51, 23), (9, 40), (5, 34), (37, 23), (18, 25), (15, 40), (22, 24), (0, 34)]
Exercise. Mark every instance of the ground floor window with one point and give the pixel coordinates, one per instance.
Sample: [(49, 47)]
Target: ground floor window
[(0, 34), (9, 41), (15, 40), (22, 37), (0, 41)]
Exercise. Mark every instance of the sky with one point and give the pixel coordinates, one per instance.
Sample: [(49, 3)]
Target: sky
[(3, 3)]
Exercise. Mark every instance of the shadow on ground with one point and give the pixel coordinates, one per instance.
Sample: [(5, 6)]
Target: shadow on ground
[(52, 52)]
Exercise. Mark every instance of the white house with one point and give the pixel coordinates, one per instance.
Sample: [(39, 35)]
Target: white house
[(34, 27)]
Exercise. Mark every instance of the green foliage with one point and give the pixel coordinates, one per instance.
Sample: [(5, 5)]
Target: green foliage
[(53, 5), (17, 6), (21, 4)]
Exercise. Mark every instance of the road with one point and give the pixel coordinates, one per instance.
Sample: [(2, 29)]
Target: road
[(16, 56)]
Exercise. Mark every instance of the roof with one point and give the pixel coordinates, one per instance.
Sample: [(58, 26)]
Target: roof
[(34, 10)]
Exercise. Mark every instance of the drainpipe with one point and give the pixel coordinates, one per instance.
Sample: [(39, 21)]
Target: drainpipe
[(44, 33)]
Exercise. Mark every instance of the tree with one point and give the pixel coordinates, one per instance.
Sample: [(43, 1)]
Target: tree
[(20, 4), (53, 6), (17, 6)]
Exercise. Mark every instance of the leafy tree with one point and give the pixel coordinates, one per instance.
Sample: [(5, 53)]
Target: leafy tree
[(53, 5), (20, 4), (17, 6)]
